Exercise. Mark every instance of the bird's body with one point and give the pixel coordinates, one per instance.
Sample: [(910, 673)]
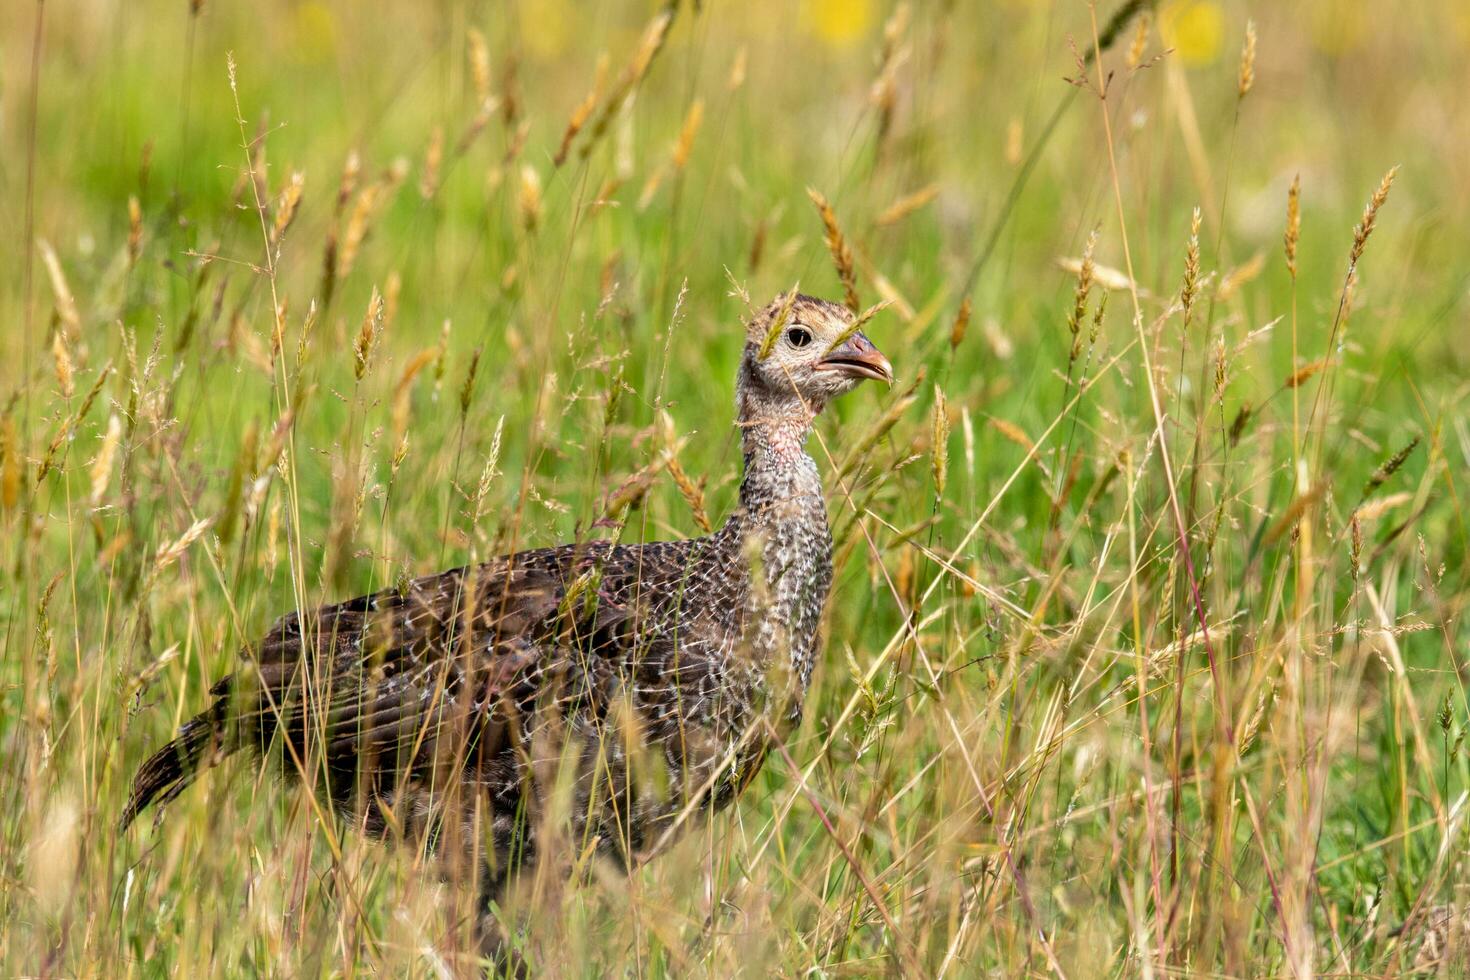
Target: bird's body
[(648, 678)]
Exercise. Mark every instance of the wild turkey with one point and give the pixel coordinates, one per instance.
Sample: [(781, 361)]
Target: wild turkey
[(658, 671)]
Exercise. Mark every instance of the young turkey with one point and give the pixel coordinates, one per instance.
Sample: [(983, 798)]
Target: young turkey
[(448, 707)]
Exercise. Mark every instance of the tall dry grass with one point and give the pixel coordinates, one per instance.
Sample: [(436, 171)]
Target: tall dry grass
[(1145, 652)]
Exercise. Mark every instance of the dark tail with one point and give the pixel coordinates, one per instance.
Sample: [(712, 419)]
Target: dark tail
[(202, 743)]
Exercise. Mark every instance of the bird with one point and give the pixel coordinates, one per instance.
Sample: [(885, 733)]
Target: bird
[(448, 708)]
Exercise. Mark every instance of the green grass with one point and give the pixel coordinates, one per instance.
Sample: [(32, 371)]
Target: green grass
[(1027, 750)]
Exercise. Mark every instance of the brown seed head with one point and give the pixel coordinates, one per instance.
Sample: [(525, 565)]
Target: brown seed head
[(467, 390), (1190, 290), (1078, 313), (1293, 223), (367, 334), (838, 246), (135, 230), (961, 324), (582, 112), (1370, 217), (1390, 467)]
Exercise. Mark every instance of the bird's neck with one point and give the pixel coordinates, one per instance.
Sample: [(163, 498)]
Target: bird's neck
[(777, 467), (781, 531)]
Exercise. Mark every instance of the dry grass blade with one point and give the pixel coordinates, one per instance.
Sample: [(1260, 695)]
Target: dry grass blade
[(70, 423), (654, 36), (1102, 275), (1293, 514), (1014, 433), (1304, 373), (1239, 276), (581, 113), (858, 322), (1065, 699), (878, 428), (66, 304), (839, 249), (907, 205), (778, 322)]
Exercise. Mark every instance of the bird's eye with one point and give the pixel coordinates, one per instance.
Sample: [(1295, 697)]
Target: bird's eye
[(797, 337)]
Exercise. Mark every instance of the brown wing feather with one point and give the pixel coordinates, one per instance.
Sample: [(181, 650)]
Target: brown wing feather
[(384, 684)]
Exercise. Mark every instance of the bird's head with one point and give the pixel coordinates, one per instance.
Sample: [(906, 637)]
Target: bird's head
[(800, 353)]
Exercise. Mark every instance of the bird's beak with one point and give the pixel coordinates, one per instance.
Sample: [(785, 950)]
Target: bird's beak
[(856, 357)]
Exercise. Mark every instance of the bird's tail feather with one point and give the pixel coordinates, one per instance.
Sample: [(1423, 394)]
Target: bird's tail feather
[(202, 742)]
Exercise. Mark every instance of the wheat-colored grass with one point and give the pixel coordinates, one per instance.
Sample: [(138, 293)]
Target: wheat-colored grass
[(1146, 649)]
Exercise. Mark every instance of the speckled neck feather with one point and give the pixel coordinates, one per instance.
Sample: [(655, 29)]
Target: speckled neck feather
[(782, 504)]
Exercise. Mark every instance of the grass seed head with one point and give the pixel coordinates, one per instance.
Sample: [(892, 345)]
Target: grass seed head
[(838, 247), (907, 205), (101, 471), (530, 197), (1098, 314), (467, 390), (961, 324), (61, 359), (737, 70), (1078, 314), (939, 442), (1238, 424), (135, 230), (367, 334), (1139, 47), (1370, 217), (685, 144), (1304, 373), (1389, 467), (1355, 554), (1293, 223), (1247, 61), (287, 203), (66, 304), (479, 58), (858, 322), (433, 159), (1190, 290)]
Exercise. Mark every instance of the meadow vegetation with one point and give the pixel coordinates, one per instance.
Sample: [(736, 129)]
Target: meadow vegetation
[(1145, 650)]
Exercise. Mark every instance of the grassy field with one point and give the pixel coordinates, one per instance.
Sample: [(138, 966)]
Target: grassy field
[(1145, 651)]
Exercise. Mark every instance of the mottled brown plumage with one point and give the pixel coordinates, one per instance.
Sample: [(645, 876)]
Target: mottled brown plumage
[(449, 707)]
